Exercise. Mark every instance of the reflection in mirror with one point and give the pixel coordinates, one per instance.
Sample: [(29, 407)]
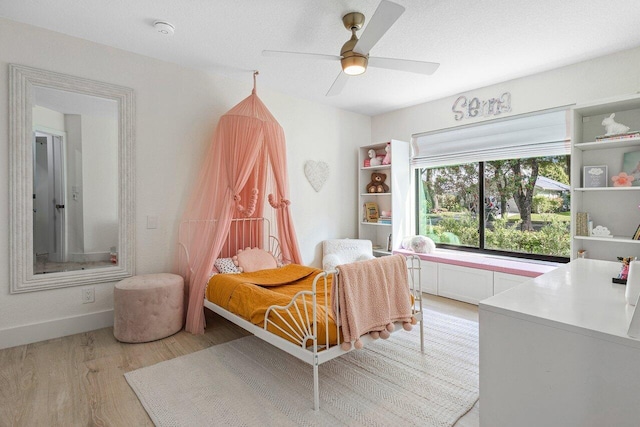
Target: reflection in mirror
[(71, 180), (75, 181)]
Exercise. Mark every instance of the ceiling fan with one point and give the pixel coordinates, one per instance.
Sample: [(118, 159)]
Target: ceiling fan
[(354, 55)]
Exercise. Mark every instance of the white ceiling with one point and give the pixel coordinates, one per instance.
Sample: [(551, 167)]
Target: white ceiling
[(477, 42)]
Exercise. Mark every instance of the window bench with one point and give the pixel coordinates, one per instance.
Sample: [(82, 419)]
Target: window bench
[(471, 277)]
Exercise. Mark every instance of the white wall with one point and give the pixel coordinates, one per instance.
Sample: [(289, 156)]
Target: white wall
[(605, 77), (177, 110)]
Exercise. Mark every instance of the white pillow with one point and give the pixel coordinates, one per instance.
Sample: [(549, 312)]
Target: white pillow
[(329, 262), (418, 244), (226, 265)]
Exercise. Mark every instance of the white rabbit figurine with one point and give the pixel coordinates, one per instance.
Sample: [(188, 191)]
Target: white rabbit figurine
[(612, 127), (375, 161)]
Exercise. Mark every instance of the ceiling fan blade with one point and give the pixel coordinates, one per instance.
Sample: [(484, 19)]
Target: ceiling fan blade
[(338, 84), (313, 56), (383, 18), (419, 67)]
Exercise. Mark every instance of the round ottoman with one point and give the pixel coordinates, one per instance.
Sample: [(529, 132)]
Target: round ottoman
[(148, 307)]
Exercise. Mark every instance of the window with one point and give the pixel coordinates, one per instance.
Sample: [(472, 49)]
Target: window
[(501, 186), (520, 207)]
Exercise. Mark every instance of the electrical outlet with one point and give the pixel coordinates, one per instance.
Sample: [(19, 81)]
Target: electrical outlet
[(88, 295)]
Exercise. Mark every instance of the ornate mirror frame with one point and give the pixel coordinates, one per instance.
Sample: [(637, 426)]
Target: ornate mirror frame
[(21, 271)]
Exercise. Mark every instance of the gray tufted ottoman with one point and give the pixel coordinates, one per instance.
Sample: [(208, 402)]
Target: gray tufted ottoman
[(148, 307)]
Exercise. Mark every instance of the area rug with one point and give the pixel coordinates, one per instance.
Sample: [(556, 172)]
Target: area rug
[(251, 383)]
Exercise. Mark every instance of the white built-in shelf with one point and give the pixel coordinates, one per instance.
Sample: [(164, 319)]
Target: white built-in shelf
[(605, 145), (616, 239), (590, 149), (607, 189), (373, 168), (393, 200)]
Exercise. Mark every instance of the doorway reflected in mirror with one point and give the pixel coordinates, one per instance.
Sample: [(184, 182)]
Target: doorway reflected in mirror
[(75, 185)]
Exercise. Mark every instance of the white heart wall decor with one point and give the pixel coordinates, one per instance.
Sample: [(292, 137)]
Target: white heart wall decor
[(316, 173)]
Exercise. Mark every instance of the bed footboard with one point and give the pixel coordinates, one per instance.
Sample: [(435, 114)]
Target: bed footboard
[(296, 320)]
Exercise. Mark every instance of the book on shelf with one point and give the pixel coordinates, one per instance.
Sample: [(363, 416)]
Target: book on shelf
[(636, 235), (582, 224), (618, 136), (384, 219)]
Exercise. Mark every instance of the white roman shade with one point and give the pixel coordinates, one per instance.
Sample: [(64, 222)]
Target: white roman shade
[(544, 133)]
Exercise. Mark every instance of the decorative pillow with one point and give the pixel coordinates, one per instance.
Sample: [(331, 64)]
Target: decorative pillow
[(422, 245), (255, 259), (226, 265), (418, 244)]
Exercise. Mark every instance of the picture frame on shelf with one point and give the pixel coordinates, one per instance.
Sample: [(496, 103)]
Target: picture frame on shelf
[(371, 212), (631, 165), (595, 176)]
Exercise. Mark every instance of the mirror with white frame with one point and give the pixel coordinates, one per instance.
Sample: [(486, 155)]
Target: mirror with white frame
[(71, 180)]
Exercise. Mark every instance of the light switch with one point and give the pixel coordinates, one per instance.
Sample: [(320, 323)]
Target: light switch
[(152, 221)]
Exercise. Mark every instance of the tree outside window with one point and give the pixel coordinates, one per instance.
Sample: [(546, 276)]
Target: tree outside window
[(520, 207)]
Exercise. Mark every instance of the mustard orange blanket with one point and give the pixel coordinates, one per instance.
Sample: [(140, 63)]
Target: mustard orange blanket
[(249, 295)]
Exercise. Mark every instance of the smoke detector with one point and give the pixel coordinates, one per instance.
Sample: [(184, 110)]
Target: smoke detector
[(164, 27)]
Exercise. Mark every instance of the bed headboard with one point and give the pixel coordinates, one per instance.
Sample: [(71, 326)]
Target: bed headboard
[(242, 233), (250, 233)]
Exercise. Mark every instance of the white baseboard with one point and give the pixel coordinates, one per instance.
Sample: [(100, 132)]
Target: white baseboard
[(35, 332)]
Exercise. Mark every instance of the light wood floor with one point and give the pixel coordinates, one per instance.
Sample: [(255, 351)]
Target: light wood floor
[(78, 380)]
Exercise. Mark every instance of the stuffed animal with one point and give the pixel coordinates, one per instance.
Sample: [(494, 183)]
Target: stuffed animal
[(375, 161), (387, 157), (612, 127), (377, 184), (418, 244)]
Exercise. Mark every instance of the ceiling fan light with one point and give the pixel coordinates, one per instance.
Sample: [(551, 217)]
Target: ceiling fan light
[(354, 65)]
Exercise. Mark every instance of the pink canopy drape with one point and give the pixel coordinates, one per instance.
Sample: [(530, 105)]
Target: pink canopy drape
[(244, 167)]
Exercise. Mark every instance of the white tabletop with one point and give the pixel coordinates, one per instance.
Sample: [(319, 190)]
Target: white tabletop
[(578, 297)]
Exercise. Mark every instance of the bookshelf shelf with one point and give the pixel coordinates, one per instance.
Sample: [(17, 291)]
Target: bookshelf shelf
[(374, 168), (609, 144), (614, 239), (607, 189)]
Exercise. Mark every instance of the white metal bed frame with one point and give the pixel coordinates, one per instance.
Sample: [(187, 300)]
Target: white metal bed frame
[(300, 322)]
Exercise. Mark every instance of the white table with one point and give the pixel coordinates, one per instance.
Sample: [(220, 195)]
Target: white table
[(554, 351)]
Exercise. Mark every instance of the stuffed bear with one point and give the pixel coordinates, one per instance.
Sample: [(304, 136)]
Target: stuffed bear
[(377, 184)]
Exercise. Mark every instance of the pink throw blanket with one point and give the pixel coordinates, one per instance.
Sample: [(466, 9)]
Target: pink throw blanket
[(372, 294)]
